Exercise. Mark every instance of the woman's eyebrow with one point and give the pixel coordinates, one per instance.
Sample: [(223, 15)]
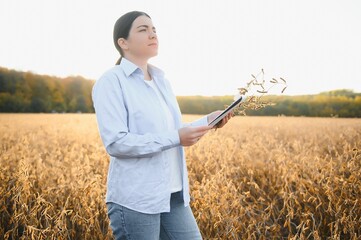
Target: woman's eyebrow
[(146, 26)]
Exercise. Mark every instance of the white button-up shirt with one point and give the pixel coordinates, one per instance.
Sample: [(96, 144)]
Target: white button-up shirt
[(132, 128)]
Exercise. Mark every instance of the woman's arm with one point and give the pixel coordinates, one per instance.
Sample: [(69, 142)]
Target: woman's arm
[(112, 118)]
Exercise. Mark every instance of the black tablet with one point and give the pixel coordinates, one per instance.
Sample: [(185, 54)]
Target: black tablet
[(227, 110)]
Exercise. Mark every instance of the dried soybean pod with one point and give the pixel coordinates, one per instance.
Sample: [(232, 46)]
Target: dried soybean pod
[(261, 91), (243, 89), (274, 80)]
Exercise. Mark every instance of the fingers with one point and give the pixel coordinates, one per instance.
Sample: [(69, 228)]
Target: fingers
[(200, 131), (214, 114), (191, 135), (225, 120)]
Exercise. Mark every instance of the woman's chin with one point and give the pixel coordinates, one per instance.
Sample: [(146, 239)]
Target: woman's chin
[(153, 54)]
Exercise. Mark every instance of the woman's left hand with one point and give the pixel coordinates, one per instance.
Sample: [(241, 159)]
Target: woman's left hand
[(214, 114)]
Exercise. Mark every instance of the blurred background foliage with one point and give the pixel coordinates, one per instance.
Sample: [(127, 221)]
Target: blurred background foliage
[(34, 93)]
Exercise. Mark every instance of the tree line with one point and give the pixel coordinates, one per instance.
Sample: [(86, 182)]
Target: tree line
[(337, 103), (29, 92), (34, 93)]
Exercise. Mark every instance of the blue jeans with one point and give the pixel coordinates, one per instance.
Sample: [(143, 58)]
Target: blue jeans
[(179, 223)]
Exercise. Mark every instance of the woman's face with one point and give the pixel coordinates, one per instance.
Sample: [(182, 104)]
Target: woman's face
[(142, 40)]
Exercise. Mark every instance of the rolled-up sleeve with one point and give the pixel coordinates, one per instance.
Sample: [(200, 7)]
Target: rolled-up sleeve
[(112, 117)]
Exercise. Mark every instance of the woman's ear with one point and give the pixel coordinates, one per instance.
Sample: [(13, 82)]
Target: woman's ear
[(123, 43)]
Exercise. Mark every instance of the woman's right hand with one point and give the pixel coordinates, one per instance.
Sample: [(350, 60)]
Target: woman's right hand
[(191, 135)]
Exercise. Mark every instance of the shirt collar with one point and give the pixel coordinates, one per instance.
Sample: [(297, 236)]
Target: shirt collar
[(129, 68)]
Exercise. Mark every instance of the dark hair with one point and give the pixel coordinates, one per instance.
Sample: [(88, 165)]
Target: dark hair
[(122, 27)]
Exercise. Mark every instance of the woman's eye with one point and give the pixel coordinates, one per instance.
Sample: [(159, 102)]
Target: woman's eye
[(143, 30)]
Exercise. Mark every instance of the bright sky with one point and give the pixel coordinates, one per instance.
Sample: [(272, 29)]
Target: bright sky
[(206, 47)]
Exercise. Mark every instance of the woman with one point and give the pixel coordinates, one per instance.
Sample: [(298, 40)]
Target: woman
[(140, 126)]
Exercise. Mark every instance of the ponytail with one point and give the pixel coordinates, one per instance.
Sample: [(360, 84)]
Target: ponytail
[(119, 60)]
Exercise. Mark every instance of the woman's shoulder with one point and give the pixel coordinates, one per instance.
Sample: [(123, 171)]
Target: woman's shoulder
[(110, 79), (114, 72)]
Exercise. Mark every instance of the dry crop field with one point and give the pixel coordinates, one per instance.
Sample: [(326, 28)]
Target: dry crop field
[(256, 178)]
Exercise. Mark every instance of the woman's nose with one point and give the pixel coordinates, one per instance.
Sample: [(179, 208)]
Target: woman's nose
[(152, 35)]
